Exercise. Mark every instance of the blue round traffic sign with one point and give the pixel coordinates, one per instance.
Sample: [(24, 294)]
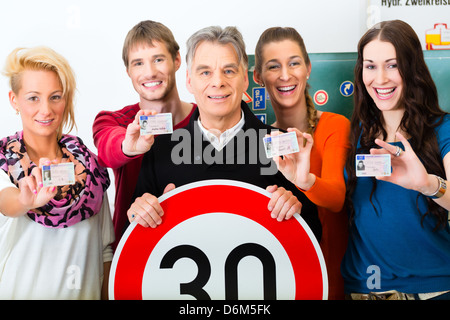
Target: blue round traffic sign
[(347, 88)]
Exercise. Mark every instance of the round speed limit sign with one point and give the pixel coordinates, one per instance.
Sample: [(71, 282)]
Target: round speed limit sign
[(218, 241)]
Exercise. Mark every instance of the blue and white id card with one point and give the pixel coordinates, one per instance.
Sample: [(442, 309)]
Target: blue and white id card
[(60, 174), (160, 123), (373, 165), (279, 145)]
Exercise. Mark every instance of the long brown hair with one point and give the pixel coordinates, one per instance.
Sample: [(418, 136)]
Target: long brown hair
[(277, 34), (419, 99)]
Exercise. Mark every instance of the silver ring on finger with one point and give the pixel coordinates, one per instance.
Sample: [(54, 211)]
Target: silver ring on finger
[(398, 152)]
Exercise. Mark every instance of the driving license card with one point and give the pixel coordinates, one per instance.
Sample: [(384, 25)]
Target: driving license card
[(160, 123), (281, 144), (375, 165), (60, 174)]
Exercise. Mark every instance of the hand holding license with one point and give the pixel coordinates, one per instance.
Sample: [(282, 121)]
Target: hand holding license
[(160, 123), (376, 165), (60, 174), (282, 144)]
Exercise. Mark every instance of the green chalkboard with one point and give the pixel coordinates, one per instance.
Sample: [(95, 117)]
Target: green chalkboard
[(332, 77)]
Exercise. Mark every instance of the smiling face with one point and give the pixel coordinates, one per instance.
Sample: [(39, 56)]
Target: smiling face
[(284, 72), (40, 101), (152, 71), (381, 75), (217, 80)]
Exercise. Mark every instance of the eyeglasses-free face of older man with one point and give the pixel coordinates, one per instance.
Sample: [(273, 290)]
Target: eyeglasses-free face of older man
[(217, 80)]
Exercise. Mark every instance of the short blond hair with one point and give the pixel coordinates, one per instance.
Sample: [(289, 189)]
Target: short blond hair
[(46, 59)]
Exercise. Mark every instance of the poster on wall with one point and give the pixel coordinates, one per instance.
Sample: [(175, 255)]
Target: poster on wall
[(429, 18), (217, 241)]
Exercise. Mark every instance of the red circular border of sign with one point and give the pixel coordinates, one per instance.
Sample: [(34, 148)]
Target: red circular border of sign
[(135, 249), (326, 97)]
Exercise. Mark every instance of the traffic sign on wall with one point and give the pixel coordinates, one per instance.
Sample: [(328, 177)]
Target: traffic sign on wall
[(218, 241)]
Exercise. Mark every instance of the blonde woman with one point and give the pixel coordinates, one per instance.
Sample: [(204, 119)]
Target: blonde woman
[(59, 250)]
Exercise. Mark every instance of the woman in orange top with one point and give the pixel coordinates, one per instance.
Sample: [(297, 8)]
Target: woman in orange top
[(282, 66)]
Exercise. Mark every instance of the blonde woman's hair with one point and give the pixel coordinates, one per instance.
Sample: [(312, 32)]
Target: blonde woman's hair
[(44, 59)]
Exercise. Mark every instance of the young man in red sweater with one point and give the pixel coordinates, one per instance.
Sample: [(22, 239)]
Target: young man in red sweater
[(151, 56)]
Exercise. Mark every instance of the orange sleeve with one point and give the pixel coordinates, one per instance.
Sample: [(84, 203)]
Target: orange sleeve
[(331, 149)]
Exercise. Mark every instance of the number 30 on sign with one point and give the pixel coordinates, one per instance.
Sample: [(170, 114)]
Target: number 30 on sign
[(218, 241)]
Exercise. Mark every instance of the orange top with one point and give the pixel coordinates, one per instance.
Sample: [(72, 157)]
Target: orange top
[(328, 156)]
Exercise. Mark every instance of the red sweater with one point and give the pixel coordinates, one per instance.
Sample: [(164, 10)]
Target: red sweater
[(109, 130)]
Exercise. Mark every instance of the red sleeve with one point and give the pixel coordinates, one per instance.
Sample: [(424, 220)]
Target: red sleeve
[(108, 137), (333, 145)]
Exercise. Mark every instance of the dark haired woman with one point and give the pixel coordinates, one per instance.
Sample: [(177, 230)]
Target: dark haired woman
[(399, 244), (282, 65)]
